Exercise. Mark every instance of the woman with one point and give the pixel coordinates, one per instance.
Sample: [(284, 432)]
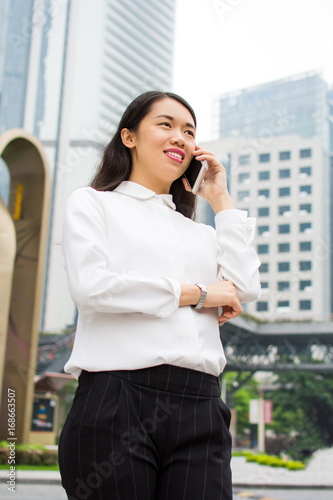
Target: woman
[(152, 287)]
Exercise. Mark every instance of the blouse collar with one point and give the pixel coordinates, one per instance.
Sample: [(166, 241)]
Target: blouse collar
[(139, 192)]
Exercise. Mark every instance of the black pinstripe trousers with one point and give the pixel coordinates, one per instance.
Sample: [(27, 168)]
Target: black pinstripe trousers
[(159, 433)]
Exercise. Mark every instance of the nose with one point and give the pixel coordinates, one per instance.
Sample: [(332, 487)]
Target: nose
[(178, 139)]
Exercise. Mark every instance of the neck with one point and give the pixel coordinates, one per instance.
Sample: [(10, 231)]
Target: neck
[(156, 185)]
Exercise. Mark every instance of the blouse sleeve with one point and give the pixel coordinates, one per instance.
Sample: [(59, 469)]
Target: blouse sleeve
[(92, 283), (237, 259)]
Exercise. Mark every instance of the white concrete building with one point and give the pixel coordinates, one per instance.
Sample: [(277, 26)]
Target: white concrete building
[(285, 185)]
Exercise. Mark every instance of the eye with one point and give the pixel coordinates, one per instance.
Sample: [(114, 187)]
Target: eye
[(190, 132), (167, 124)]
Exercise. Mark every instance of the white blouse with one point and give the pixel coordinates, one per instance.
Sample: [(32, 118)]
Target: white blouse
[(126, 254)]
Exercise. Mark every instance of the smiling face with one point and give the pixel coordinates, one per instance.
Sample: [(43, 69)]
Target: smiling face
[(161, 148)]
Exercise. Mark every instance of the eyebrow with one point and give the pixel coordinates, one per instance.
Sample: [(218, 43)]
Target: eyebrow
[(171, 119)]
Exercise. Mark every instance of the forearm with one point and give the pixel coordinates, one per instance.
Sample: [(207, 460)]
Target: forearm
[(189, 296)]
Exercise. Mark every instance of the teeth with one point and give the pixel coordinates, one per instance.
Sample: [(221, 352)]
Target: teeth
[(172, 153)]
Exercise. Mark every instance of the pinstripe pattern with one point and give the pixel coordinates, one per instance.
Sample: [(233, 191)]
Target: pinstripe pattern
[(151, 434)]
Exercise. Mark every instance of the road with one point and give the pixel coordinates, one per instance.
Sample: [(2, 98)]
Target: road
[(56, 492)]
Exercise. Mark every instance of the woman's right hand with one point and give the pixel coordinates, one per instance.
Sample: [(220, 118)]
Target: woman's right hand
[(223, 294)]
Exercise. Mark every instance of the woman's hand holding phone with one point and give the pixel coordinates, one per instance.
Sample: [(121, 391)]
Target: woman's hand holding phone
[(214, 186)]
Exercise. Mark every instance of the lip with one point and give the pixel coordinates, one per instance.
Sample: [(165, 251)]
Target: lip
[(180, 152)]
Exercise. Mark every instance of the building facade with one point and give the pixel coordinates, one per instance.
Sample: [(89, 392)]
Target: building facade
[(78, 65), (275, 145)]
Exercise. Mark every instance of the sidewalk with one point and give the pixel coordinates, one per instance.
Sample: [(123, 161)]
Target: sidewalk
[(318, 474)]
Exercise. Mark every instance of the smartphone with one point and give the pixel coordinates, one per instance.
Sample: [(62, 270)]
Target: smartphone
[(195, 174)]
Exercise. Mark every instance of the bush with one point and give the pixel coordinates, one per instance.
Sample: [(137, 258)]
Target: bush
[(270, 460), (27, 454)]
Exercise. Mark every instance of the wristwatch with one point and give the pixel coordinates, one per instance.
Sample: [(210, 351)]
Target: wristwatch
[(203, 295)]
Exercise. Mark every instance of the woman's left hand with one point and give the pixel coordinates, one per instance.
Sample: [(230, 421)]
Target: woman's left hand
[(214, 187)]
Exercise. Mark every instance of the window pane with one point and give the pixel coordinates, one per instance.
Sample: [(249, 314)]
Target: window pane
[(264, 267), (285, 191), (284, 174), (263, 229), (264, 176), (306, 207), (283, 209), (305, 305), (305, 226), (244, 159), (283, 285), (263, 248), (305, 153), (262, 306), (284, 247), (243, 195), (284, 228), (243, 177), (306, 171), (305, 246), (283, 267), (283, 303), (263, 193), (284, 155), (305, 265), (263, 211), (303, 284), (264, 284), (263, 158), (305, 189)]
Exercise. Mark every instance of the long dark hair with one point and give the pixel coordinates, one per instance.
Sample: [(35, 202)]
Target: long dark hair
[(116, 164)]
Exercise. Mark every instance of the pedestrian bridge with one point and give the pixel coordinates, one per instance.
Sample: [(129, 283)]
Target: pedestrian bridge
[(282, 346)]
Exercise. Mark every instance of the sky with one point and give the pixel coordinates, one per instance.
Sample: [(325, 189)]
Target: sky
[(227, 45)]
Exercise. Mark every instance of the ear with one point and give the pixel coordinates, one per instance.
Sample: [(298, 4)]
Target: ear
[(128, 138)]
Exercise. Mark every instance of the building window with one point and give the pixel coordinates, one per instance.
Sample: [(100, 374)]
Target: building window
[(264, 158), (305, 153), (263, 248), (243, 178), (284, 191), (264, 268), (305, 305), (283, 285), (305, 246), (244, 159), (283, 267), (284, 173), (305, 171), (305, 208), (305, 285), (305, 227), (262, 230), (262, 306), (264, 285), (263, 211), (284, 228), (284, 155), (284, 209), (305, 189), (243, 195), (264, 175), (284, 247), (263, 193), (283, 303), (305, 265)]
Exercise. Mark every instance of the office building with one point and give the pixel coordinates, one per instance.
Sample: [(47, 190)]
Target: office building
[(76, 67), (275, 143)]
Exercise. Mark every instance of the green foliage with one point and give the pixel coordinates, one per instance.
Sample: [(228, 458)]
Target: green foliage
[(303, 406), (271, 460), (29, 454)]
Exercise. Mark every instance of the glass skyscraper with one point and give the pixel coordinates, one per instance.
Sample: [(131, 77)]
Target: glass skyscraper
[(68, 69)]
